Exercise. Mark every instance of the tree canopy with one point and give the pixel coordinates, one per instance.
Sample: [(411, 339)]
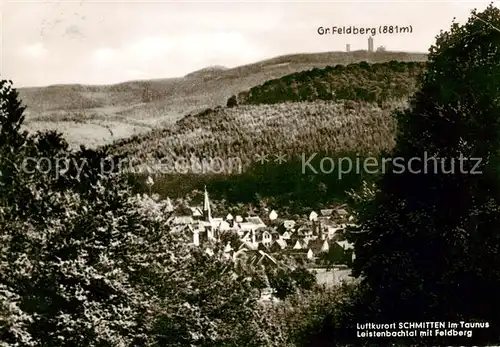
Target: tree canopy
[(431, 250)]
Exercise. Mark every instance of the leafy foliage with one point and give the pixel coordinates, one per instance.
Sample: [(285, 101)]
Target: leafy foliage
[(85, 263), (363, 82), (431, 238), (312, 318), (286, 282)]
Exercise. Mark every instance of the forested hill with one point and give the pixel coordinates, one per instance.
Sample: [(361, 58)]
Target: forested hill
[(245, 130), (359, 123), (362, 81)]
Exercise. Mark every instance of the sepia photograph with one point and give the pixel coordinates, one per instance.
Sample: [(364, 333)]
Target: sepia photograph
[(249, 173)]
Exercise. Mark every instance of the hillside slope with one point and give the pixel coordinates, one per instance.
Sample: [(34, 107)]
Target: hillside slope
[(247, 131), (290, 127), (96, 115), (363, 81), (222, 149)]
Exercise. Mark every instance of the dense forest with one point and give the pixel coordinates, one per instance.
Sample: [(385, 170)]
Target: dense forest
[(357, 122), (83, 262), (362, 81), (248, 131), (221, 148)]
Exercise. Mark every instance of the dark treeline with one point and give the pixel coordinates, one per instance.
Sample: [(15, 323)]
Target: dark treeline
[(296, 186), (377, 82)]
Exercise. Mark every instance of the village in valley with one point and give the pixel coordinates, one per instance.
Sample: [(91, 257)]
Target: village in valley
[(317, 241)]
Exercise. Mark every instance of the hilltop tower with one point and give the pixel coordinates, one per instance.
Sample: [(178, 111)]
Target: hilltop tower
[(207, 214), (370, 44), (347, 47)]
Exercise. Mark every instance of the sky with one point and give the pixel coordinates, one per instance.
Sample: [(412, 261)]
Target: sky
[(110, 41)]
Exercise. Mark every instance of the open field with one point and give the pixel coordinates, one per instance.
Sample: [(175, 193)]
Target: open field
[(97, 115)]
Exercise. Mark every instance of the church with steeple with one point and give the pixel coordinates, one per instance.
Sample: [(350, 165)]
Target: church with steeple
[(207, 214), (205, 228)]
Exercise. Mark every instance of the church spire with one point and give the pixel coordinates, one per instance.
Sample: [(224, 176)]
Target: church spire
[(207, 215)]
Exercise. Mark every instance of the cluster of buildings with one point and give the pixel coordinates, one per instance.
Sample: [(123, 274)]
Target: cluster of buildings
[(309, 239)]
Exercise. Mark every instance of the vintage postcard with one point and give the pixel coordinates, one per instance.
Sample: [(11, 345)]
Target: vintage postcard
[(249, 173)]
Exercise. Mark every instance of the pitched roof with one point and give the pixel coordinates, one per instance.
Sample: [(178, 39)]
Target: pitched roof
[(313, 215), (299, 243), (318, 246), (315, 245), (228, 248), (326, 212), (247, 226), (220, 224), (196, 211), (263, 247), (281, 243), (273, 215), (259, 257), (182, 220), (345, 245), (297, 251), (255, 220)]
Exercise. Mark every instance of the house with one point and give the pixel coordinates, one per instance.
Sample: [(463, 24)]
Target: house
[(263, 247), (228, 251), (196, 212), (168, 205), (184, 220), (297, 253), (326, 212), (195, 235), (246, 226), (288, 224), (345, 245), (260, 257), (286, 235), (256, 221), (318, 246), (250, 245), (275, 235), (178, 229), (300, 244), (249, 236), (313, 216), (336, 253), (220, 224), (278, 246), (228, 248), (333, 231), (273, 215), (267, 238), (342, 213)]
